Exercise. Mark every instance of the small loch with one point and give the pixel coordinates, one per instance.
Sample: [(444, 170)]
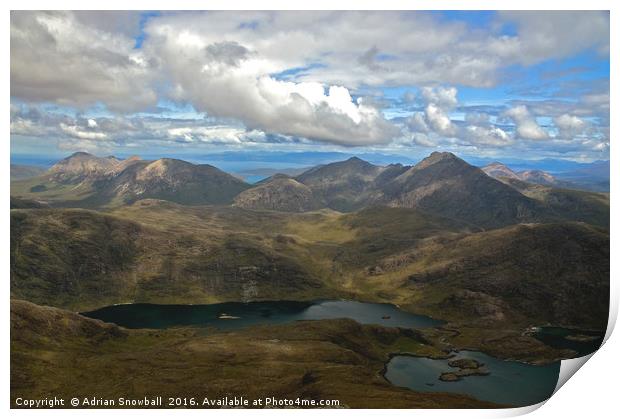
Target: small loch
[(509, 382), (235, 315)]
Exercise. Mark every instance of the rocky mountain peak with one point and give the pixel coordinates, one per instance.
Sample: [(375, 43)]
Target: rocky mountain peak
[(446, 163), (441, 156), (81, 165), (279, 193), (497, 170)]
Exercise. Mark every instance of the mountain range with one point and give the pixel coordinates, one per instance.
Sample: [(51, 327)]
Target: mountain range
[(501, 171), (491, 256), (169, 230), (441, 184), (89, 181)]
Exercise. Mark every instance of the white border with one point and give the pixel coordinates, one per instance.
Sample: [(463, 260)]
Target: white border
[(593, 393)]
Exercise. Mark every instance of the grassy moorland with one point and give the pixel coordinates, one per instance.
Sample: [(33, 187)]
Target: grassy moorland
[(156, 251), (441, 238), (58, 352)]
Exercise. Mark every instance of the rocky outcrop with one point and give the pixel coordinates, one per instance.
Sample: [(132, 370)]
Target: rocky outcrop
[(465, 363), (466, 367)]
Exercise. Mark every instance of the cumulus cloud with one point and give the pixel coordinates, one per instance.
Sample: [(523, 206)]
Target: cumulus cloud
[(21, 126), (417, 123), (569, 126), (216, 134), (478, 118), (487, 135), (76, 132), (228, 53), (438, 102), (434, 126), (55, 57), (294, 75), (423, 140), (443, 97), (439, 120), (526, 125), (104, 133), (237, 85), (395, 47)]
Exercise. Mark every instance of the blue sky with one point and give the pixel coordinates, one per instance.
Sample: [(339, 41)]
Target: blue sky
[(486, 84)]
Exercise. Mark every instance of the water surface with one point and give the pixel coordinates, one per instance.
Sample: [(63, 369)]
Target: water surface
[(159, 316), (556, 337), (511, 383)]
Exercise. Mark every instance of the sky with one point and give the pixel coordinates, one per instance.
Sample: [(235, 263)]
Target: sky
[(520, 85)]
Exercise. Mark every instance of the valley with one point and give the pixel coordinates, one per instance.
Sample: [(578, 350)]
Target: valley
[(357, 209), (489, 258)]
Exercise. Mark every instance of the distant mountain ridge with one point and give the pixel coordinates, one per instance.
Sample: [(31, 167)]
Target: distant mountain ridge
[(446, 185), (500, 170), (19, 171), (111, 181), (441, 184), (440, 238), (540, 177), (80, 166), (344, 186), (279, 193)]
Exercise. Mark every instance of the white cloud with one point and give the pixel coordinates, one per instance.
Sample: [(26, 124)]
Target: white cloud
[(543, 35), (478, 118), (76, 132), (55, 57), (569, 125), (85, 57), (106, 132), (439, 121), (526, 125), (295, 74), (485, 135), (439, 101), (430, 127), (212, 134), (417, 123), (21, 126), (423, 140), (242, 88), (443, 97)]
